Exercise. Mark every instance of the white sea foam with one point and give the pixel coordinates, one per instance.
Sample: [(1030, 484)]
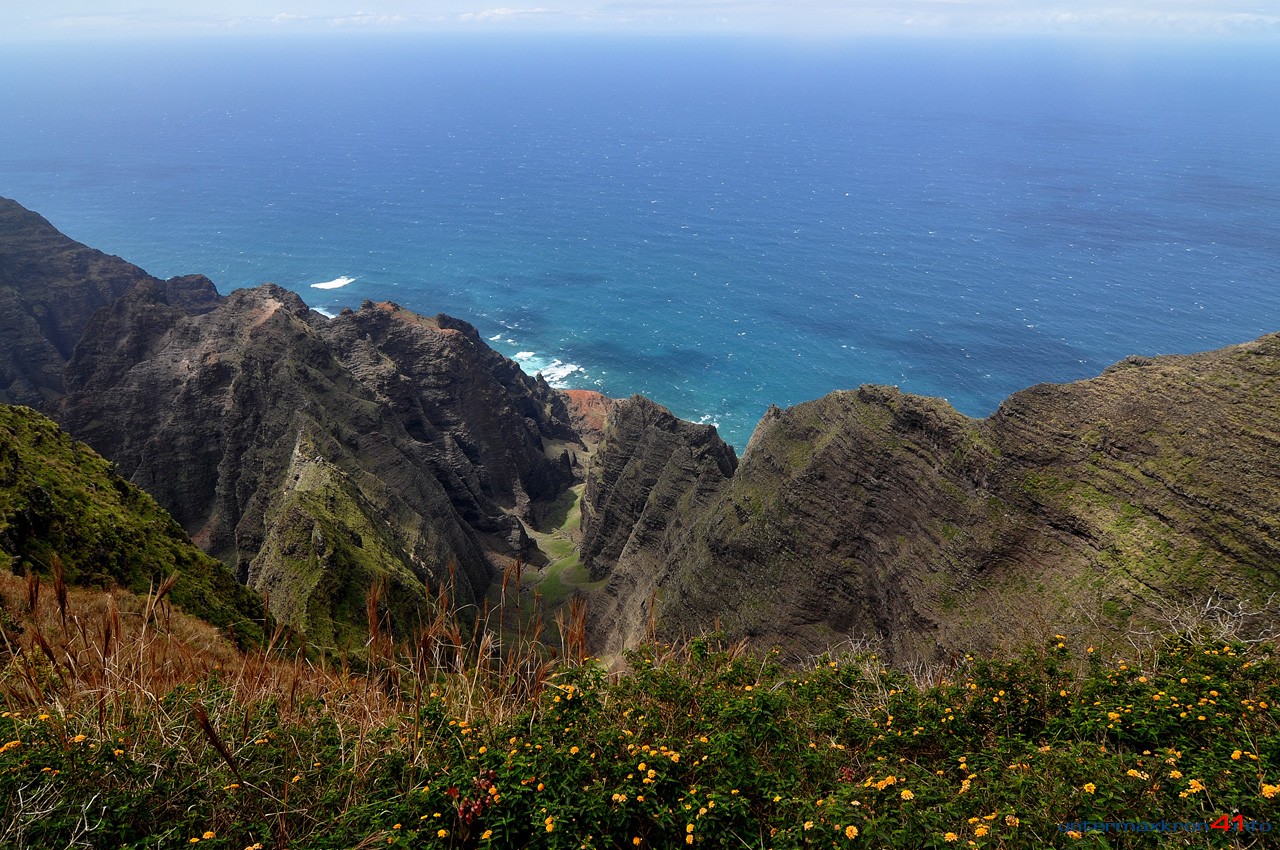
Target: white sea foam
[(323, 312), (557, 371), (336, 283), (554, 371), (495, 337)]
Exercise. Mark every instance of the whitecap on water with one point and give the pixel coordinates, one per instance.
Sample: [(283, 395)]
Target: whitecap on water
[(336, 283), (555, 371)]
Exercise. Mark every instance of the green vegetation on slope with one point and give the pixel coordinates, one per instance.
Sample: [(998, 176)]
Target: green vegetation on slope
[(59, 497), (706, 747), (565, 573)]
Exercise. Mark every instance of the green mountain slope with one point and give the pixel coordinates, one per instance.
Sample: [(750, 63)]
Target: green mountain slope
[(876, 514), (57, 496)]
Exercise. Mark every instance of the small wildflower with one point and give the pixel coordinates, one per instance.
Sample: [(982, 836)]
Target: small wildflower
[(1011, 820), (1270, 791), (209, 834), (443, 833), (950, 837), (1089, 787), (907, 794)]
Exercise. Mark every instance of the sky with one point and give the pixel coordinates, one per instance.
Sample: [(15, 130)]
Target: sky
[(56, 19)]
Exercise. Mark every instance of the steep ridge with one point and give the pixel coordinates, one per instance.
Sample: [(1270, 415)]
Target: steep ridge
[(876, 514), (318, 456), (322, 457), (50, 285), (652, 472), (59, 498), (496, 435)]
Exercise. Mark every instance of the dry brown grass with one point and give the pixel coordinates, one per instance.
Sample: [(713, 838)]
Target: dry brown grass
[(116, 654)]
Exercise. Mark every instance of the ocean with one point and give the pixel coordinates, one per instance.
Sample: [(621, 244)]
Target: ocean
[(719, 224)]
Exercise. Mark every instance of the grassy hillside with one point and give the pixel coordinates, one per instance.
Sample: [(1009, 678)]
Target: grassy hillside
[(62, 503)]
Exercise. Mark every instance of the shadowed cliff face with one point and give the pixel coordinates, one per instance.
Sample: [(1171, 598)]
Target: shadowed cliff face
[(883, 515), (217, 414), (487, 424), (320, 456), (49, 287), (652, 474), (316, 457)]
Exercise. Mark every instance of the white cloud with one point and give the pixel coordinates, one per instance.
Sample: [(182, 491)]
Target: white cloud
[(502, 14), (834, 17)]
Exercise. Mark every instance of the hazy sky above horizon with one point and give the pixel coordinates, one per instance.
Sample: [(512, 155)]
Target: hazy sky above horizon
[(35, 19)]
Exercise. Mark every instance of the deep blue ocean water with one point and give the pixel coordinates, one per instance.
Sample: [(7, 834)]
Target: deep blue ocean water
[(718, 224)]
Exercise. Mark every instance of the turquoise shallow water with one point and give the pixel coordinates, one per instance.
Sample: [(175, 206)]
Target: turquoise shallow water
[(717, 224)]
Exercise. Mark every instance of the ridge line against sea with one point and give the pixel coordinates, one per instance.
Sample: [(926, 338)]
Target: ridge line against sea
[(719, 224)]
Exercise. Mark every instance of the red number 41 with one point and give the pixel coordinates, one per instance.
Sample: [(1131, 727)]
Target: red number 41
[(1225, 822)]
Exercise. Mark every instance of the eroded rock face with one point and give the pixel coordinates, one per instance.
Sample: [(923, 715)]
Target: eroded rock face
[(320, 456), (652, 474), (876, 514), (316, 457), (50, 286), (486, 424)]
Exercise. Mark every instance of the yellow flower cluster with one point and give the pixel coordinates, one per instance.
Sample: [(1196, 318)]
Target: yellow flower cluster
[(1194, 786)]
